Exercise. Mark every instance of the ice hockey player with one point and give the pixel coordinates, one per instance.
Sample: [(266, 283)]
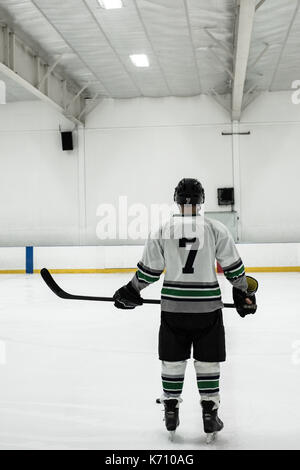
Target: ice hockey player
[(186, 247)]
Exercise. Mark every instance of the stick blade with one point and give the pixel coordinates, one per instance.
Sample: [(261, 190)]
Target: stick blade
[(52, 284)]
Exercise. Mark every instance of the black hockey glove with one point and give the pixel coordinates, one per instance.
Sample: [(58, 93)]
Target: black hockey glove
[(127, 297), (239, 298)]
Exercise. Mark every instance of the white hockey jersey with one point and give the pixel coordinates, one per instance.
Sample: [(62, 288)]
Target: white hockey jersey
[(186, 248)]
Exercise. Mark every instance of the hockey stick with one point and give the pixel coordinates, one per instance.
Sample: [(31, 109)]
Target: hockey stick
[(65, 295)]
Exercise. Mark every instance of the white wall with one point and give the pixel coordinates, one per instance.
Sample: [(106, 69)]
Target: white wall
[(136, 148), (270, 168), (38, 181), (141, 148)]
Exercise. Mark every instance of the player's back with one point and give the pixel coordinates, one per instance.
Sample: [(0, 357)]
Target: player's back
[(189, 250)]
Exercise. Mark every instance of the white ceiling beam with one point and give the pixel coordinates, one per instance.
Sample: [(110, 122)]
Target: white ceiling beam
[(243, 40), (255, 94), (12, 50), (34, 91), (297, 6), (221, 61), (249, 95), (90, 105), (264, 50), (12, 64), (213, 94), (75, 97), (259, 4), (218, 42), (49, 71)]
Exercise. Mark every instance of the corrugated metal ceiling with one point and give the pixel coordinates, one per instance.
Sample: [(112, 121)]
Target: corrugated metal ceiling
[(189, 44)]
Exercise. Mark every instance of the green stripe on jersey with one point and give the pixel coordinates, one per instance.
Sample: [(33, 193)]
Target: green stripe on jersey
[(144, 277), (191, 293), (235, 273)]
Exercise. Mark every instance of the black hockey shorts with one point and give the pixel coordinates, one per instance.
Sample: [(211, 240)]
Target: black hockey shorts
[(180, 331)]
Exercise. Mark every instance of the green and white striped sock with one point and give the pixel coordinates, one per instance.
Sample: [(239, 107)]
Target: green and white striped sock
[(172, 386), (208, 377), (172, 379)]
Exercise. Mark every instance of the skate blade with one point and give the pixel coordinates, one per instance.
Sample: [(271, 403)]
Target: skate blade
[(210, 437), (172, 435)]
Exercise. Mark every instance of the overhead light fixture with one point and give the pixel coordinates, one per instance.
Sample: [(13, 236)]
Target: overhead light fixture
[(139, 60), (111, 4)]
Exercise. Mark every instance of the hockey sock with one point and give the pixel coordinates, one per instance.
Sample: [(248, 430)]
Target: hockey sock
[(172, 379), (208, 376)]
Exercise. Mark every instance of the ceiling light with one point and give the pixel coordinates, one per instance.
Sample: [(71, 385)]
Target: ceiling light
[(140, 60), (111, 4)]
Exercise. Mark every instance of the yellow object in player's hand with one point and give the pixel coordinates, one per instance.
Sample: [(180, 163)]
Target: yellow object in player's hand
[(252, 284)]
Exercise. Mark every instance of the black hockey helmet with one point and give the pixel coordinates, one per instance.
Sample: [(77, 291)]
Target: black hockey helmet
[(189, 191)]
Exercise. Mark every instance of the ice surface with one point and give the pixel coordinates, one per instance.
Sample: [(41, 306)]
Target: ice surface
[(83, 375)]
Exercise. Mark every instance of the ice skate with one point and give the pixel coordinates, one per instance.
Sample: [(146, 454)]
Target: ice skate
[(171, 416), (211, 422)]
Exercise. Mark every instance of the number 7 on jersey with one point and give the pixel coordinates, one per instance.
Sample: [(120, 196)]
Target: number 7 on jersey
[(194, 242)]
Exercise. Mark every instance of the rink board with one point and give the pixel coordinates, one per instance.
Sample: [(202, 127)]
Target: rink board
[(12, 260), (262, 257)]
